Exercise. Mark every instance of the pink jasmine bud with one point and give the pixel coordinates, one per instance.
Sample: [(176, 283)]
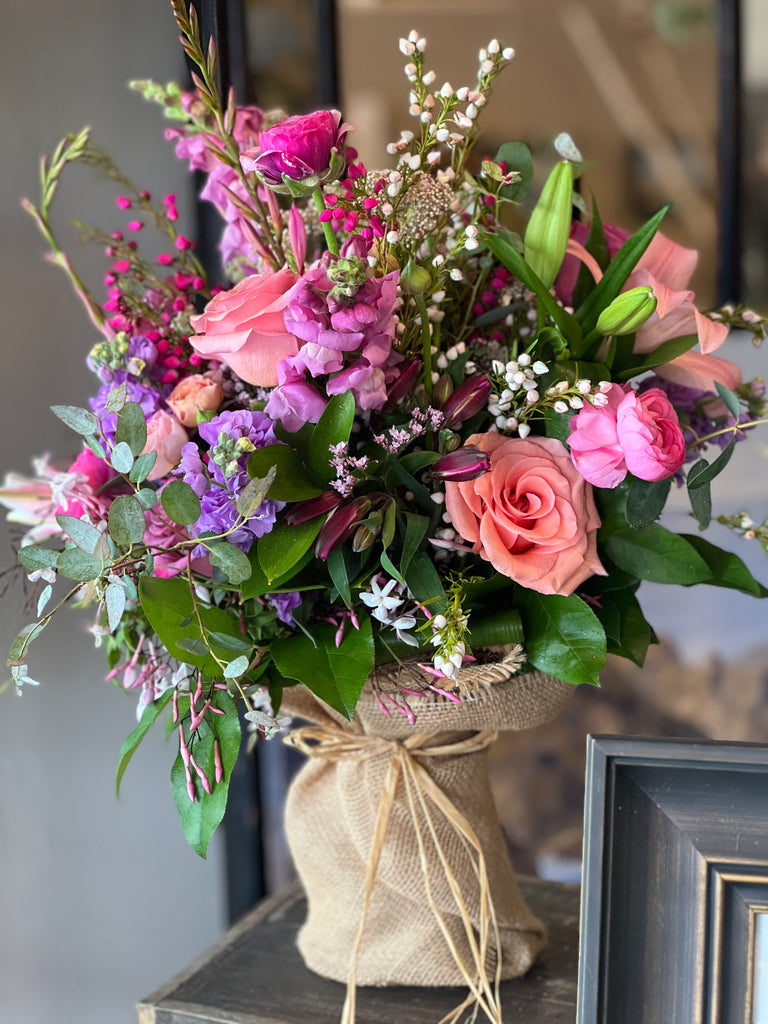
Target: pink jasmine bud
[(468, 399), (183, 243), (217, 761), (121, 266), (175, 706), (123, 202), (465, 463), (201, 774), (303, 511), (165, 259)]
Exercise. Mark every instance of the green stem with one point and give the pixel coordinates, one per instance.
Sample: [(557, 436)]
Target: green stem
[(733, 429), (426, 341), (330, 238)]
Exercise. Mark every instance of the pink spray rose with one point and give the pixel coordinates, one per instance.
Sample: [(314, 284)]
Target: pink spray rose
[(167, 437), (200, 392), (532, 516), (630, 432), (244, 327), (299, 147), (92, 473)]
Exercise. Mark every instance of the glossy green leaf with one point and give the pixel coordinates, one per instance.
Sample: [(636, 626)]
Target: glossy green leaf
[(334, 674), (230, 643), (257, 583), (77, 419), (563, 636), (282, 548), (132, 427), (646, 500), (126, 521), (231, 560), (503, 627), (627, 632), (333, 427), (633, 365), (148, 718), (415, 531), (337, 570), (424, 582), (656, 554), (700, 494), (726, 569), (291, 481)]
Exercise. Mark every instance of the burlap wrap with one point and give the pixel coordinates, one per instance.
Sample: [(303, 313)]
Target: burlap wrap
[(331, 816)]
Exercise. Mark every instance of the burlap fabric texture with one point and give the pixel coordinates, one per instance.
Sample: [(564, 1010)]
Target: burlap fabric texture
[(334, 809)]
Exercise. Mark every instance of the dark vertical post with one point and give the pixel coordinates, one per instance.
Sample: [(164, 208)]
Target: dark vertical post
[(729, 156), (327, 85), (243, 824)]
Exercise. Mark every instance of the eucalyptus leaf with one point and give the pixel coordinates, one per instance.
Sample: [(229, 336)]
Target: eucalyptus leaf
[(117, 397), (147, 497), (81, 533), (126, 521), (78, 565), (45, 597), (231, 560), (517, 157), (122, 457), (34, 558), (80, 420), (142, 467), (700, 494), (132, 427), (114, 597), (236, 668), (17, 652), (730, 400), (180, 503)]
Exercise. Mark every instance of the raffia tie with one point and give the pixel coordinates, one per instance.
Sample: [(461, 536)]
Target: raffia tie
[(335, 743)]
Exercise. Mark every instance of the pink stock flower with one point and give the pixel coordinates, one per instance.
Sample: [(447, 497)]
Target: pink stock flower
[(200, 392), (631, 432), (244, 327), (160, 534), (294, 401), (167, 437), (532, 515), (298, 147)]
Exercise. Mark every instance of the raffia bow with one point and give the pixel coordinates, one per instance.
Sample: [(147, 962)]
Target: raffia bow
[(335, 743)]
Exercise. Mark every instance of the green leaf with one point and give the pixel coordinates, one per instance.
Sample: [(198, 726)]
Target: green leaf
[(194, 645), (391, 569), (617, 273), (230, 643), (77, 419), (45, 597), (252, 496), (646, 500), (236, 668), (424, 582), (180, 503), (117, 397), (505, 627), (284, 545), (726, 569), (33, 558), (142, 467), (656, 554), (335, 675), (147, 497), (708, 471), (563, 636), (729, 399), (517, 157), (231, 560), (200, 818), (597, 246), (148, 718), (122, 458), (132, 427), (17, 653), (168, 606), (333, 427), (627, 632), (665, 353), (95, 447), (337, 570), (81, 533), (291, 481), (126, 521), (114, 597), (700, 494), (513, 261), (78, 565), (258, 584), (415, 531)]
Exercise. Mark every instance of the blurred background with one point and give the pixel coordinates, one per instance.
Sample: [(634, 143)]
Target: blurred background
[(101, 900)]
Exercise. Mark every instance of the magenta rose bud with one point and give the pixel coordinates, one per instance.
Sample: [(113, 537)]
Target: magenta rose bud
[(301, 151), (465, 463), (650, 436), (469, 398)]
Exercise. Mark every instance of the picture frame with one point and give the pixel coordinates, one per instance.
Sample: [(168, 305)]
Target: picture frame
[(674, 915)]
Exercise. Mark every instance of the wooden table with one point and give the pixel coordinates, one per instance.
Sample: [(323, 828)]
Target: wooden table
[(255, 975)]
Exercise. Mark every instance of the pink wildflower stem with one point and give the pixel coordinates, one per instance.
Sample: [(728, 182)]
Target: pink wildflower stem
[(382, 705), (217, 761), (198, 716), (446, 694), (201, 774)]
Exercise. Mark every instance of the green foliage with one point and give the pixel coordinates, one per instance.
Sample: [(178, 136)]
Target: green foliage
[(80, 420), (333, 427), (180, 503), (563, 636), (292, 482), (132, 427), (148, 718), (126, 521), (283, 547), (546, 235), (231, 560), (76, 564), (645, 501), (517, 157)]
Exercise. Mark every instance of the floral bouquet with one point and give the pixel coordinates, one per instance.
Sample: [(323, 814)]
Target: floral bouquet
[(414, 426)]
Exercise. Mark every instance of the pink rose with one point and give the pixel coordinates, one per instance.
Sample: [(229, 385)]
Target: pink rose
[(244, 328), (162, 535), (532, 515), (200, 392), (91, 474), (650, 435), (298, 147), (166, 436), (630, 432)]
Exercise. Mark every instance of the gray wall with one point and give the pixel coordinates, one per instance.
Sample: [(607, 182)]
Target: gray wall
[(100, 900)]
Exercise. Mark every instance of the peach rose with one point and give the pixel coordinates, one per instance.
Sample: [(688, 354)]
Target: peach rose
[(532, 515), (244, 328), (200, 392), (166, 436)]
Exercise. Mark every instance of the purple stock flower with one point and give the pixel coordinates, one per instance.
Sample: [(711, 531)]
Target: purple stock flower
[(148, 398), (284, 605)]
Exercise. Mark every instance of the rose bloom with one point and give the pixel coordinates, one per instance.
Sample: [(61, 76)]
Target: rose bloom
[(167, 437), (299, 147), (244, 327), (532, 515), (635, 433), (200, 392)]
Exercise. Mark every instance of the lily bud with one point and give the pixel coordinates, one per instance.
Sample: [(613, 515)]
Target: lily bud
[(410, 372), (628, 311), (367, 532), (469, 398), (415, 280), (546, 236), (340, 525), (443, 390), (465, 463), (303, 511)]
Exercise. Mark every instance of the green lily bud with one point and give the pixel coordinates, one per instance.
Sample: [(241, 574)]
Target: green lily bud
[(549, 227), (627, 312), (415, 280), (443, 390)]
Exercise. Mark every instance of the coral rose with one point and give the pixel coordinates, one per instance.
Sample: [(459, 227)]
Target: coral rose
[(532, 515), (244, 327), (167, 437), (200, 392)]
